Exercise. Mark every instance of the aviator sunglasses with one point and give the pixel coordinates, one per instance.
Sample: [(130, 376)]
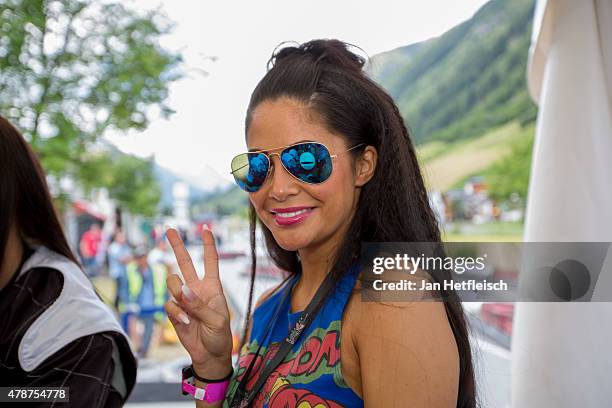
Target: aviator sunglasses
[(309, 162)]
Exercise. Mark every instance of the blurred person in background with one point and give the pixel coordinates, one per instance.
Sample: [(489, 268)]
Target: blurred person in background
[(159, 256), (89, 246), (119, 254), (162, 262), (54, 329), (148, 290)]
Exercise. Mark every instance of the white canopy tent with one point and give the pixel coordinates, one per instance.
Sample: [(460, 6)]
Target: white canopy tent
[(562, 352)]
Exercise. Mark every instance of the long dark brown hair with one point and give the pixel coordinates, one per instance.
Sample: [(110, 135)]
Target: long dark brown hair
[(24, 196), (393, 206)]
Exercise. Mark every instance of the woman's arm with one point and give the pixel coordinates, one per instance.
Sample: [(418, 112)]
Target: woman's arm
[(408, 355)]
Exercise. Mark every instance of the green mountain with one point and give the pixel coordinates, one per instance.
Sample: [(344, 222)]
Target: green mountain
[(466, 82)]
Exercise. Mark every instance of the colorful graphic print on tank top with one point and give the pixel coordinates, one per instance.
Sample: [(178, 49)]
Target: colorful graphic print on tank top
[(310, 375)]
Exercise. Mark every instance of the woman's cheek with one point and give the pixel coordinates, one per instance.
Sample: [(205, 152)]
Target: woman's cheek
[(258, 208)]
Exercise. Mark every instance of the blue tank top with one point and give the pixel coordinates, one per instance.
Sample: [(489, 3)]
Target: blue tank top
[(310, 375)]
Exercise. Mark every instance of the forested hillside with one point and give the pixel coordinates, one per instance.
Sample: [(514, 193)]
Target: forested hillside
[(467, 81)]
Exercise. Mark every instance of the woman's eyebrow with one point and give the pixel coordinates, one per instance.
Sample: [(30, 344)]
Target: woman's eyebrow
[(257, 149)]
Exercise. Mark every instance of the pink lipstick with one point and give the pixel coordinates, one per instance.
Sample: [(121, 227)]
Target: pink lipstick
[(290, 215)]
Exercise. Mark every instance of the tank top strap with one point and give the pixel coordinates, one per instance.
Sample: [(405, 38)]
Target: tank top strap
[(345, 286), (334, 304)]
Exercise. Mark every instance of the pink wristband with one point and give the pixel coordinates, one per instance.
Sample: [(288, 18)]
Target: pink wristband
[(213, 392)]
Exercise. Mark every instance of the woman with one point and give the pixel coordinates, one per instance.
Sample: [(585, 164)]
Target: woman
[(331, 165), (54, 329), (119, 255)]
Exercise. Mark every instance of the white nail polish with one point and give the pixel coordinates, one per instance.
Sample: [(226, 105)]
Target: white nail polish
[(183, 317), (188, 293)]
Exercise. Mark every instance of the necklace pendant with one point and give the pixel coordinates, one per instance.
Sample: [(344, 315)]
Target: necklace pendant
[(244, 401)]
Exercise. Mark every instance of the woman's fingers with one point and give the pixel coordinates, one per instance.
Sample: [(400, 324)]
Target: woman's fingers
[(191, 304), (174, 284), (182, 256), (211, 258), (175, 313), (194, 306)]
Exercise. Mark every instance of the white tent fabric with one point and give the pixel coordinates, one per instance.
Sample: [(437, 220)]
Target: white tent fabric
[(562, 353)]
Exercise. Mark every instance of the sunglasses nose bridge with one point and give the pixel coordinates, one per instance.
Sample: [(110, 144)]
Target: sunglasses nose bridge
[(282, 182), (275, 164)]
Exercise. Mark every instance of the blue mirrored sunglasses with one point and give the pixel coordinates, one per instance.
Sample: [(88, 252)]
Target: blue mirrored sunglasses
[(309, 162)]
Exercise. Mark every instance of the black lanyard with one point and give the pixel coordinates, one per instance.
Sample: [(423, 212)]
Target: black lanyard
[(241, 398)]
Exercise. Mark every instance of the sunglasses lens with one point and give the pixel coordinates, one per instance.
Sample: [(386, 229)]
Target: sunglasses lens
[(250, 170), (309, 162)]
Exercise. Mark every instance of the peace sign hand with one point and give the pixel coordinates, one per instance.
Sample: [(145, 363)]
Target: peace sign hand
[(199, 310)]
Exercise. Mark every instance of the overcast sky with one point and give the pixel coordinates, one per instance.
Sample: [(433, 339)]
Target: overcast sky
[(208, 126)]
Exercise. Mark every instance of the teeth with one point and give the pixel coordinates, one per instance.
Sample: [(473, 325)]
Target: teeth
[(291, 214)]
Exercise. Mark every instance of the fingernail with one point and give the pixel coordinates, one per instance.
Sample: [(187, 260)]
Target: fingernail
[(183, 317), (205, 227), (188, 293)]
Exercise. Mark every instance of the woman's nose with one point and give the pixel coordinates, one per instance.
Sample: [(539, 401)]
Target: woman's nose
[(282, 184)]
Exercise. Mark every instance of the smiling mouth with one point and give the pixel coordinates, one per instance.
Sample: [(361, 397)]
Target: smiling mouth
[(291, 213)]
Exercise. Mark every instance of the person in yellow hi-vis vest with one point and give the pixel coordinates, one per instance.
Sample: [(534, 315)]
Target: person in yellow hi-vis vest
[(147, 288), (161, 257)]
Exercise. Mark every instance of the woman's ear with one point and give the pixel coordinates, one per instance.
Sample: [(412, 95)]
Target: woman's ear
[(365, 166)]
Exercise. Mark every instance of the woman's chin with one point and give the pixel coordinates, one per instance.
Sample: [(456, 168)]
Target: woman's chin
[(290, 242), (290, 245), (291, 238)]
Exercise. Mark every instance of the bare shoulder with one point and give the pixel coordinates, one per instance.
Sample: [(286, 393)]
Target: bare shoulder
[(405, 348), (424, 318)]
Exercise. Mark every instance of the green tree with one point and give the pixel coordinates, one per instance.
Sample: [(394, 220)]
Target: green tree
[(133, 185), (510, 175), (71, 70)]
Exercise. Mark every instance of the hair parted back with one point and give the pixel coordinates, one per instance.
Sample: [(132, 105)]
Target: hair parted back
[(393, 206)]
